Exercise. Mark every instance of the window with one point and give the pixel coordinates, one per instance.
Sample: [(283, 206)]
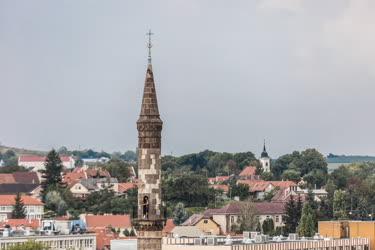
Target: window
[(205, 221), (232, 219), (277, 218)]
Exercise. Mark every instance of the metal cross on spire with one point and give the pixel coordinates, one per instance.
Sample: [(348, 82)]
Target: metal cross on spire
[(149, 45)]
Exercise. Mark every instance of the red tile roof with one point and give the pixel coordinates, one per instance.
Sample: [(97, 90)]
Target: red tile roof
[(223, 187), (263, 208), (266, 208), (9, 200), (218, 179), (258, 185), (19, 177), (103, 221), (74, 176), (36, 158), (248, 171), (126, 186), (7, 179), (169, 225), (34, 223), (93, 172), (26, 177)]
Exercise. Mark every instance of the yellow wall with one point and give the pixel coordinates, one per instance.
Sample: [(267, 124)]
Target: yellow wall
[(210, 227), (363, 229), (351, 229)]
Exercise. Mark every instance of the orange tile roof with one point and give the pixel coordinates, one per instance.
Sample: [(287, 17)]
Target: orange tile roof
[(126, 186), (223, 187), (218, 179), (254, 185), (103, 221), (248, 171), (169, 225), (7, 179), (9, 200), (73, 177), (34, 223)]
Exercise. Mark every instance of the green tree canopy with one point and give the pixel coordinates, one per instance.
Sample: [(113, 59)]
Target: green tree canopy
[(19, 210)]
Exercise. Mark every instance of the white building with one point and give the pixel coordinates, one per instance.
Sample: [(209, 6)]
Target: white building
[(33, 206), (265, 160), (37, 163), (70, 241)]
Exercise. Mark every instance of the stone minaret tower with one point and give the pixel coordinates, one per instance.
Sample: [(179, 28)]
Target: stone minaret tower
[(150, 220)]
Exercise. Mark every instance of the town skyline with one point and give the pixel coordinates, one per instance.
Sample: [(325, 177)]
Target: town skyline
[(267, 78)]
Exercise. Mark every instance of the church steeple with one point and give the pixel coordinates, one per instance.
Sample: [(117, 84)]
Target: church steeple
[(264, 153)]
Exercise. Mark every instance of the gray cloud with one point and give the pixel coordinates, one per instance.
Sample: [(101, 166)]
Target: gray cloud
[(299, 73)]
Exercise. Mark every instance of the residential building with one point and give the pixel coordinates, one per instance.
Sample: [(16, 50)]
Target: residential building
[(228, 217), (84, 187), (124, 187), (206, 224), (218, 179), (33, 206), (37, 163), (186, 232), (99, 222), (19, 177), (14, 188), (258, 188), (95, 161), (54, 242), (261, 242), (222, 187), (348, 229), (16, 224), (249, 173)]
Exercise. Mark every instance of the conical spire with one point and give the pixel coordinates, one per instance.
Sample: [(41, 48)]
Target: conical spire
[(149, 102), (264, 153)]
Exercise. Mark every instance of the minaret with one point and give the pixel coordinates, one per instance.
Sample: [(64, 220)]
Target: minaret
[(265, 160), (150, 220)]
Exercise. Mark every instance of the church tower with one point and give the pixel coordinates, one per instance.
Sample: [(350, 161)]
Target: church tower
[(265, 160), (150, 220)]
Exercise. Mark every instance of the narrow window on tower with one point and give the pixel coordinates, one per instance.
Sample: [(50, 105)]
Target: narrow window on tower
[(145, 207)]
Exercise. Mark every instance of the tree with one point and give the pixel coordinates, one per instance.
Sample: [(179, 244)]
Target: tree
[(240, 190), (10, 158), (180, 214), (52, 173), (29, 245), (268, 227), (12, 169), (19, 210), (307, 223), (117, 168), (339, 205), (290, 218), (55, 203), (248, 216)]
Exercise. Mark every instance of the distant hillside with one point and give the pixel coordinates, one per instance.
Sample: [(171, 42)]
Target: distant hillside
[(331, 158), (22, 151), (335, 161)]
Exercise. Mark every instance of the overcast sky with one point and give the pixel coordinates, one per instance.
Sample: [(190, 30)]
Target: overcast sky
[(299, 73)]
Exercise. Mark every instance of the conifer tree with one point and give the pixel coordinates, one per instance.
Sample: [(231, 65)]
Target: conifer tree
[(268, 227), (290, 219), (18, 208), (307, 223), (52, 173), (180, 214), (299, 207)]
